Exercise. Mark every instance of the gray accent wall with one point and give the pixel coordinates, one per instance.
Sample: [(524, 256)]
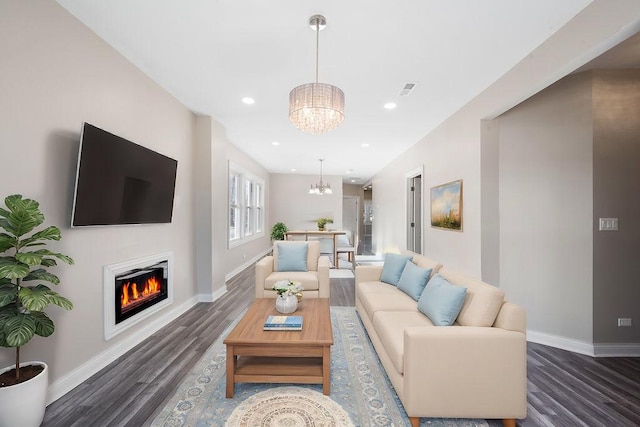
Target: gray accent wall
[(616, 194)]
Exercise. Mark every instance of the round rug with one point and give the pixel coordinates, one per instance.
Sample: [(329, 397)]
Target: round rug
[(289, 407)]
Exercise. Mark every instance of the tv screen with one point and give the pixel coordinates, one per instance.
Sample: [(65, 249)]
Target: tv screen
[(119, 182)]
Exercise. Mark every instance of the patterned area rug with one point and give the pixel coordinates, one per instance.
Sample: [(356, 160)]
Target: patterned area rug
[(358, 384), (289, 406)]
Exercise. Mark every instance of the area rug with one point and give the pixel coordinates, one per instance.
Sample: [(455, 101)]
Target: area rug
[(289, 406), (358, 384)]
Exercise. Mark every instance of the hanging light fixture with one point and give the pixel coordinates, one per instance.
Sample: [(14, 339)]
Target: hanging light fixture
[(320, 188), (316, 107)]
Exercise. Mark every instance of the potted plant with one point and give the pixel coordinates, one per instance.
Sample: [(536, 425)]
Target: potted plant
[(23, 299), (278, 230), (322, 222)]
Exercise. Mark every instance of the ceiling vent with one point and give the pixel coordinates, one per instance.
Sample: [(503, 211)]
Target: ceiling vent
[(408, 87)]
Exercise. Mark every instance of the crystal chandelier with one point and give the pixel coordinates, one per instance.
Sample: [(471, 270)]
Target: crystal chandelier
[(316, 107), (320, 188)]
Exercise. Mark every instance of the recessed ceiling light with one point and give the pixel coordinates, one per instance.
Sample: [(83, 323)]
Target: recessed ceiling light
[(248, 101), (275, 143), (390, 105), (353, 180), (349, 171), (365, 145), (293, 170)]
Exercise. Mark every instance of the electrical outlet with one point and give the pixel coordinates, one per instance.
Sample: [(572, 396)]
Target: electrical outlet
[(624, 321)]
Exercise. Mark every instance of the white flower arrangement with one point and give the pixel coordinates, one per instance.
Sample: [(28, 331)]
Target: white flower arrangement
[(288, 287)]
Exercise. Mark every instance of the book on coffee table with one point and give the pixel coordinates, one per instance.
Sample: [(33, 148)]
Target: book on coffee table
[(283, 323)]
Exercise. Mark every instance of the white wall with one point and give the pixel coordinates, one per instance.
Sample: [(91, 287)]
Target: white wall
[(291, 203), (546, 214), (55, 74)]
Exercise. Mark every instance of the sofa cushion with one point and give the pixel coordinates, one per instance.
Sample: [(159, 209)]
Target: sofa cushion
[(313, 253), (374, 288), (413, 280), (387, 301), (309, 279), (441, 301), (482, 302), (424, 262), (389, 326), (292, 256), (392, 267)]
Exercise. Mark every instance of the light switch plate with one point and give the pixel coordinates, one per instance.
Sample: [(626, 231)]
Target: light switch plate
[(608, 224)]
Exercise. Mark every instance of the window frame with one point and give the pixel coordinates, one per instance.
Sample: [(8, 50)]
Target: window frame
[(250, 208)]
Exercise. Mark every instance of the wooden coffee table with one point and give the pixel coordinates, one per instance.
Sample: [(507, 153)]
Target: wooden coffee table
[(304, 357)]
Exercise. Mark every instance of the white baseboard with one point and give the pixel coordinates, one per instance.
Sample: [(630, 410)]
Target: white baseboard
[(86, 370), (583, 347), (212, 297), (617, 350), (563, 343), (242, 267)]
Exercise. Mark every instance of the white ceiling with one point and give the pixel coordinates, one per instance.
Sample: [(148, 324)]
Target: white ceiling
[(211, 53)]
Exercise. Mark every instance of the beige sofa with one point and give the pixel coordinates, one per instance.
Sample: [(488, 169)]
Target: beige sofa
[(315, 280), (473, 369)]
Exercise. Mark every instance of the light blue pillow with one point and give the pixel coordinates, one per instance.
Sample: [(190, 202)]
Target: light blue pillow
[(413, 280), (292, 256), (392, 268), (441, 301)]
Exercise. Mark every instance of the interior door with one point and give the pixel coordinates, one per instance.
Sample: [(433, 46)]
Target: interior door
[(414, 214)]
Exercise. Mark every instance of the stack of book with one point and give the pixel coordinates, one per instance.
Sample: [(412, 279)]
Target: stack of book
[(283, 323)]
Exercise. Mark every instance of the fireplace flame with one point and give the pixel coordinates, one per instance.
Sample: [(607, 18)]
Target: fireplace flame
[(130, 293)]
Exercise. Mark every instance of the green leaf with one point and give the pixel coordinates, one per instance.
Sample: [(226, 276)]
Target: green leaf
[(10, 268), (47, 252), (44, 325), (19, 330), (48, 262), (7, 242), (42, 274), (34, 298), (59, 300), (22, 222), (8, 294), (4, 213), (49, 233), (29, 258)]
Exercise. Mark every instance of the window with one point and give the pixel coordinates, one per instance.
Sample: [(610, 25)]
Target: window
[(246, 206)]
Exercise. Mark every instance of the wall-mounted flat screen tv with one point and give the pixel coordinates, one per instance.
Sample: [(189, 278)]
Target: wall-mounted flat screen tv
[(119, 182)]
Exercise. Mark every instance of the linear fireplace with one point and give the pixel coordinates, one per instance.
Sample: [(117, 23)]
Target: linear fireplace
[(136, 289)]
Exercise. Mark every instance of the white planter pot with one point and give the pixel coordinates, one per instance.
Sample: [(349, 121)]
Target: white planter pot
[(24, 404), (286, 304)]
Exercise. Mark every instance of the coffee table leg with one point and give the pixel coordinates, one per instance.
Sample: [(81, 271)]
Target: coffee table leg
[(231, 369), (326, 370)]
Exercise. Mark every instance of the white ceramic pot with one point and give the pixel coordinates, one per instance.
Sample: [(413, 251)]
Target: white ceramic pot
[(24, 404), (286, 304)]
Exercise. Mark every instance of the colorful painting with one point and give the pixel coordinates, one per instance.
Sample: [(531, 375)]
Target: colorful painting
[(446, 206)]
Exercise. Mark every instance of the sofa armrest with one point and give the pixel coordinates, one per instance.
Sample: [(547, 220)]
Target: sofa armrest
[(264, 268), (368, 273), (324, 283), (465, 371), (512, 317)]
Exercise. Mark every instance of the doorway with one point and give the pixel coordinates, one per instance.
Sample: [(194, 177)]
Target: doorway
[(350, 216), (414, 210)]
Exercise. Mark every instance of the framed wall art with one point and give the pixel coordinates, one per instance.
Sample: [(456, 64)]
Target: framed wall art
[(446, 206)]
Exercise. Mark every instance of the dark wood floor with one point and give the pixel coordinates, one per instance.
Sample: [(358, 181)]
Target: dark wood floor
[(565, 389)]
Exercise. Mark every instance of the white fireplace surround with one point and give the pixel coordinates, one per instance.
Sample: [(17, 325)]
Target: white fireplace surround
[(108, 280)]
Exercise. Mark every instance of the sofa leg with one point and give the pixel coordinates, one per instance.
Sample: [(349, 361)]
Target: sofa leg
[(415, 421), (509, 422)]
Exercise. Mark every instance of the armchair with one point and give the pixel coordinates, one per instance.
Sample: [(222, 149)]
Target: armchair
[(315, 280)]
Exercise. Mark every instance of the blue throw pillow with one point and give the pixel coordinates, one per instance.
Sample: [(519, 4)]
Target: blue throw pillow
[(292, 256), (441, 301), (392, 268), (413, 280)]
